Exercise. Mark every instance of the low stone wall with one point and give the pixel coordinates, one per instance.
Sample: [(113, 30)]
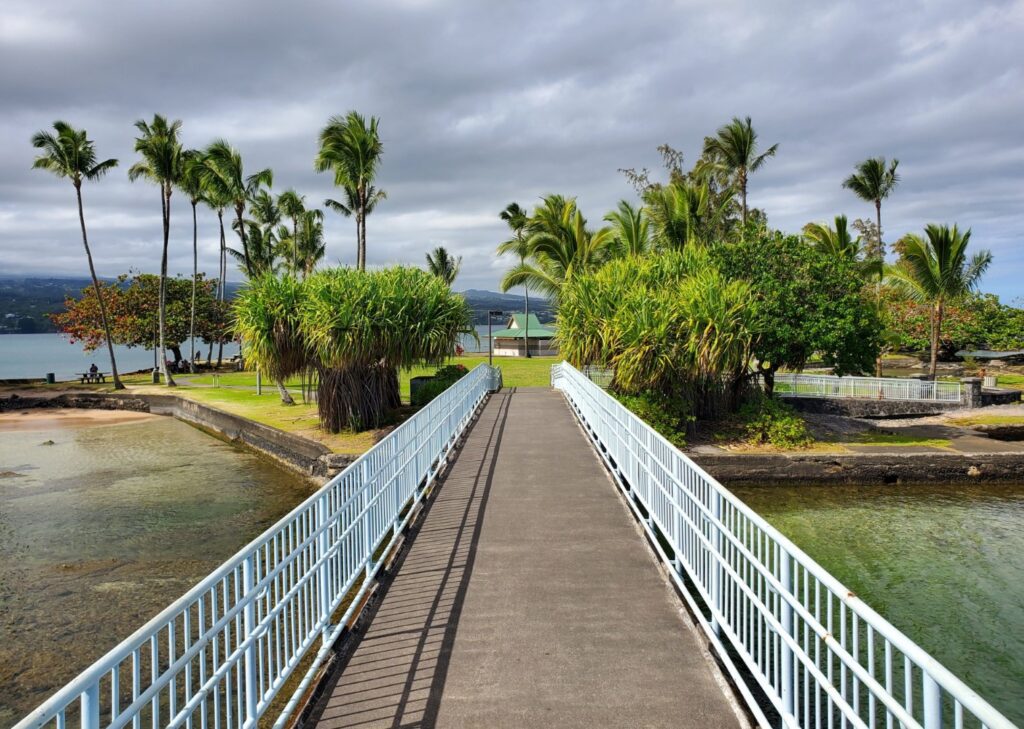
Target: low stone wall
[(999, 396), (301, 454), (863, 468), (858, 408)]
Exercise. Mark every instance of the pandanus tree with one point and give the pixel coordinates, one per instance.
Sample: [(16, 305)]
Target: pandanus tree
[(69, 154), (733, 151), (225, 177), (351, 148), (162, 163), (356, 329), (191, 184), (936, 271), (444, 265), (668, 323)]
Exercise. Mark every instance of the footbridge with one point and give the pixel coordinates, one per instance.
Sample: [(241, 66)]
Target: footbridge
[(519, 557)]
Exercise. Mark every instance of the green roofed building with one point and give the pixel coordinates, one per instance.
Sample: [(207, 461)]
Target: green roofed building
[(512, 341)]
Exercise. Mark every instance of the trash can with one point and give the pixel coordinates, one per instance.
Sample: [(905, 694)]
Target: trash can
[(989, 381), (51, 378), (156, 377)]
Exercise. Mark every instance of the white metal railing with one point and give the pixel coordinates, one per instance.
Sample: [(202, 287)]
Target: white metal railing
[(219, 655), (865, 388), (790, 634)]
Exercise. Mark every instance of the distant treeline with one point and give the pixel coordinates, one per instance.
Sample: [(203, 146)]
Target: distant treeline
[(26, 302)]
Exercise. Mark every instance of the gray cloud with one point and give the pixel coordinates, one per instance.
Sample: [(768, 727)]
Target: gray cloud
[(486, 102)]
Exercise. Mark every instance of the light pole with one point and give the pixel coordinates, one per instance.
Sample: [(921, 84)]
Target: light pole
[(490, 339)]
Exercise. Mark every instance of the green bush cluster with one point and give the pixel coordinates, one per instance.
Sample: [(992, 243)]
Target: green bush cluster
[(440, 381), (665, 414), (767, 421)]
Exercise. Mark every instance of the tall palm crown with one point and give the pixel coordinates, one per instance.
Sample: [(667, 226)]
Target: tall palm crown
[(444, 265), (734, 151), (560, 246), (310, 248), (225, 177), (292, 205), (630, 229), (69, 154), (935, 270), (837, 241), (351, 148), (162, 162), (874, 180)]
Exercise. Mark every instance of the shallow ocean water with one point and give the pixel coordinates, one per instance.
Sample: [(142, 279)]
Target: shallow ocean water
[(104, 527), (943, 563)]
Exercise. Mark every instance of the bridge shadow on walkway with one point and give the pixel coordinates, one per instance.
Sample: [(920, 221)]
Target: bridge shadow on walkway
[(527, 597)]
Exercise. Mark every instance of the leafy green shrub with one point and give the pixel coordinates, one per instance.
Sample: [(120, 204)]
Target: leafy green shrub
[(767, 421), (665, 414), (441, 380)]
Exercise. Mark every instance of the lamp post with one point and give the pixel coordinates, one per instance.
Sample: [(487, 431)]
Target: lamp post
[(490, 339)]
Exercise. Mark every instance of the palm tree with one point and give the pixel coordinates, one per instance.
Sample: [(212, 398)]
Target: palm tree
[(560, 246), (225, 177), (352, 149), (835, 241), (873, 181), (161, 164), (443, 265), (311, 247), (630, 229), (217, 200), (733, 151), (261, 255), (191, 184), (71, 154), (517, 220), (292, 205), (936, 271), (685, 213)]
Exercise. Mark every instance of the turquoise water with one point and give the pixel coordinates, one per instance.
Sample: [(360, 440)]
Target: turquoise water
[(943, 563), (33, 355), (102, 529)]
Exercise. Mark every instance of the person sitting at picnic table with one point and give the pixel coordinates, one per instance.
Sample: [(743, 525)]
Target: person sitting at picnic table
[(93, 369)]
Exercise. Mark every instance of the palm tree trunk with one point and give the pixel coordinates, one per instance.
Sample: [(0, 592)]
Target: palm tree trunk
[(295, 246), (881, 274), (223, 275), (240, 211), (118, 385), (195, 275), (165, 196), (936, 330), (526, 332), (361, 223), (743, 195), (286, 397)]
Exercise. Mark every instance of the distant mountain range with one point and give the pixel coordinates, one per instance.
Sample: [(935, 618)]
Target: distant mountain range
[(26, 302)]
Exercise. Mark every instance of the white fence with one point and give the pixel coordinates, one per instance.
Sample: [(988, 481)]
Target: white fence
[(219, 655), (797, 643), (865, 388)]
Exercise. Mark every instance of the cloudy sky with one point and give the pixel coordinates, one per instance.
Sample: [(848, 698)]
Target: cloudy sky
[(482, 103)]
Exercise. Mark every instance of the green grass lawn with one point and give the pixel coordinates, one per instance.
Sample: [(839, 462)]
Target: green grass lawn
[(237, 395), (988, 420), (896, 439)]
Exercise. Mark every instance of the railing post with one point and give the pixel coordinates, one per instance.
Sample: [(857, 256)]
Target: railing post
[(91, 707), (716, 560), (932, 699), (365, 503), (323, 578), (786, 618), (249, 627)]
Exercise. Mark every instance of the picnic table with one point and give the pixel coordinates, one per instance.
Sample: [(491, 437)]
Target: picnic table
[(86, 377)]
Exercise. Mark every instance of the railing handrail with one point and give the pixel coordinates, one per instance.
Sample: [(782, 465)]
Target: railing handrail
[(470, 391), (575, 386)]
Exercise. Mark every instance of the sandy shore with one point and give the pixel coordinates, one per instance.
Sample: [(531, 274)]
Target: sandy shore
[(23, 420)]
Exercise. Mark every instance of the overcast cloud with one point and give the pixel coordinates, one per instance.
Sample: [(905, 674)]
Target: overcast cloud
[(482, 103)]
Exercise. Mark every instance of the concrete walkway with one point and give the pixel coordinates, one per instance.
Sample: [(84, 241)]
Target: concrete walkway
[(527, 599)]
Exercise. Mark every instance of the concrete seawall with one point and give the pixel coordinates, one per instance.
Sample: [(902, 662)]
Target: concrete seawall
[(293, 451), (863, 468)]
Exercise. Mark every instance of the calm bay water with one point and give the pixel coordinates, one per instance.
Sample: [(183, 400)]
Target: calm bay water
[(33, 355), (102, 529), (943, 563)]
